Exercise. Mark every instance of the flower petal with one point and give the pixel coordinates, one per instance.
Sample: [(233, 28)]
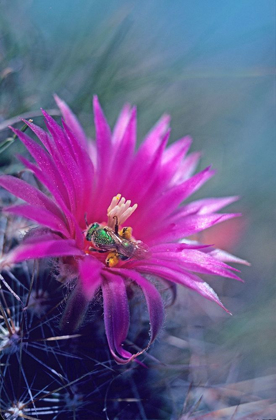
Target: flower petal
[(40, 215), (28, 193), (172, 160), (74, 227), (116, 316), (75, 310), (72, 121), (187, 168), (121, 124), (40, 248), (180, 147), (205, 206), (85, 175), (221, 255), (192, 260), (88, 284), (116, 311), (90, 275), (123, 153), (120, 161), (43, 136), (146, 174), (178, 193), (163, 206), (103, 138), (153, 300), (152, 141), (185, 279), (64, 161), (176, 247), (50, 169), (186, 227)]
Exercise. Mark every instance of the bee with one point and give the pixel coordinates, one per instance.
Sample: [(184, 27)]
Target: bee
[(118, 244)]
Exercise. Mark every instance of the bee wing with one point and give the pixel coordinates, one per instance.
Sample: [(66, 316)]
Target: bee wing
[(124, 246), (141, 251), (129, 249)]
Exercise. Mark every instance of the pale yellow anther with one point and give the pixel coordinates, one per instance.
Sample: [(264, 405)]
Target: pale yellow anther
[(119, 208), (114, 202)]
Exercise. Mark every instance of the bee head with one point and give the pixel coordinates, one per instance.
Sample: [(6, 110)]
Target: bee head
[(91, 229)]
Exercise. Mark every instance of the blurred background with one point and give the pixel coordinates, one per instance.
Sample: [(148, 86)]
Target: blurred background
[(211, 66)]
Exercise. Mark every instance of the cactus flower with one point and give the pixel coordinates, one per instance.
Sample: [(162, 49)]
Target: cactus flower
[(112, 214)]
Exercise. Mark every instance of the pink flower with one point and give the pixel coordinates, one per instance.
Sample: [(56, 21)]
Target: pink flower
[(82, 183)]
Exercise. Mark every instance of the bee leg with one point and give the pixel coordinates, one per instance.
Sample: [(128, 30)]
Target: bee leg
[(96, 250), (123, 257), (126, 233), (112, 259), (116, 228)]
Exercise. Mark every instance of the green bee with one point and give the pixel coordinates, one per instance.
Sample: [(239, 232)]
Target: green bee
[(118, 244)]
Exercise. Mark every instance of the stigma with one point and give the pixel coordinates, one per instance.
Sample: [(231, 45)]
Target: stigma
[(119, 209)]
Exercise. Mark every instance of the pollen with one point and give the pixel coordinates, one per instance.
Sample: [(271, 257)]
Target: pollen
[(120, 208)]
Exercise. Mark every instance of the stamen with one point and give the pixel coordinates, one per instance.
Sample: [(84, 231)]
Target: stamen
[(121, 208), (114, 202), (128, 213)]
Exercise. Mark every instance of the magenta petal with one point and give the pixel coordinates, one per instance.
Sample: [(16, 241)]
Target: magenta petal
[(205, 290), (64, 161), (150, 176), (85, 290), (28, 193), (163, 206), (146, 174), (172, 159), (119, 164), (211, 205), (90, 276), (40, 234), (51, 174), (43, 249), (123, 153), (187, 168), (45, 178), (103, 137), (85, 171), (121, 124), (54, 170), (180, 147), (187, 227), (153, 140), (74, 227), (43, 136), (75, 310), (40, 215), (205, 206), (116, 316), (180, 192), (193, 260), (185, 279), (175, 247), (221, 255), (154, 302), (70, 167), (72, 121)]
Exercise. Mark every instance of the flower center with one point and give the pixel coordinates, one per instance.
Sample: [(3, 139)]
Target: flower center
[(119, 244)]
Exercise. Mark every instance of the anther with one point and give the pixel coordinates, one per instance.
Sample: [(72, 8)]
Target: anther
[(119, 210)]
